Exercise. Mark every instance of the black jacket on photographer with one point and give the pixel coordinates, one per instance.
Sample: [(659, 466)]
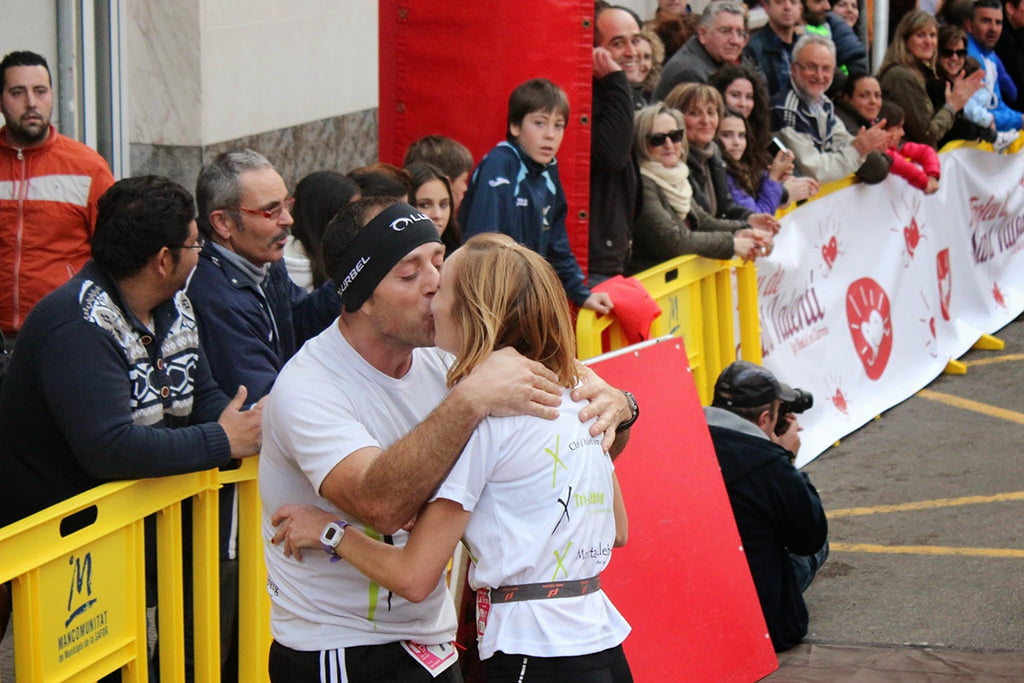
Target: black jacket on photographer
[(777, 512)]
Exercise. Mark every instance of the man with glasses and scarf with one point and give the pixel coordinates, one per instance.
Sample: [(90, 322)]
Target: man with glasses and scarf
[(252, 317)]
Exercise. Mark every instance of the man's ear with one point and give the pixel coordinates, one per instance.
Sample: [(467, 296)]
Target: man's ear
[(162, 262), (764, 421), (222, 224)]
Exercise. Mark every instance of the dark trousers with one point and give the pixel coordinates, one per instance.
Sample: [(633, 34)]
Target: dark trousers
[(388, 663), (609, 666)]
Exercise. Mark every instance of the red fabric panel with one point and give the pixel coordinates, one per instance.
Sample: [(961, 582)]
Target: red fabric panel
[(682, 580), (447, 68)]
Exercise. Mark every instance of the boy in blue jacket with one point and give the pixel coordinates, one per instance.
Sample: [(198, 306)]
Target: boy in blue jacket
[(516, 190)]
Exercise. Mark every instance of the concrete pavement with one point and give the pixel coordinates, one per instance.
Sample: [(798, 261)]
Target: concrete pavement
[(926, 505)]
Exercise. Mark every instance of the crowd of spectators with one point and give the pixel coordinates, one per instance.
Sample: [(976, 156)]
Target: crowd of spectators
[(798, 108), (701, 131)]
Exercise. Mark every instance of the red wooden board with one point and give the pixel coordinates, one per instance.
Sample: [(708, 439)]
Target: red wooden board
[(447, 68), (682, 581)]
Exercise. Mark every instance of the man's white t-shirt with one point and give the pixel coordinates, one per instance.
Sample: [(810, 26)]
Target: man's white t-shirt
[(327, 403), (541, 497)]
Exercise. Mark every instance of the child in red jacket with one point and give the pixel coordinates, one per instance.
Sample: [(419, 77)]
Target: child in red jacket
[(917, 163)]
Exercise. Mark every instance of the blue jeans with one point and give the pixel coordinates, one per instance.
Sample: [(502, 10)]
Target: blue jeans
[(806, 566)]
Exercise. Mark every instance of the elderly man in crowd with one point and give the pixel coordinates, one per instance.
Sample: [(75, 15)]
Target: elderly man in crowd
[(252, 317), (805, 117), (721, 37)]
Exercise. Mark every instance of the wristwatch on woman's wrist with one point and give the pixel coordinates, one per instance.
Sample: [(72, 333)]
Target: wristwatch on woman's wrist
[(331, 536), (634, 408)]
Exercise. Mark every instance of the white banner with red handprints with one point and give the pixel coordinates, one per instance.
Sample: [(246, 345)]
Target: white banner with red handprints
[(871, 290)]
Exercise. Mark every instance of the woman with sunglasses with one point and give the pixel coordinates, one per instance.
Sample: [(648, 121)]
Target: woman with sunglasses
[(527, 520), (702, 108), (948, 67), (670, 223), (909, 63)]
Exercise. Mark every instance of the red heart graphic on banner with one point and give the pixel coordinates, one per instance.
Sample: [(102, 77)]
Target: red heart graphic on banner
[(869, 317), (829, 251), (945, 281), (912, 237), (839, 401)]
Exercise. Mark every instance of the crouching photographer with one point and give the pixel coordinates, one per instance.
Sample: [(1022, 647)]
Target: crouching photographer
[(755, 432)]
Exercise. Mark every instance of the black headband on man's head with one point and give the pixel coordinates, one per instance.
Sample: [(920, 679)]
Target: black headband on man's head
[(377, 248)]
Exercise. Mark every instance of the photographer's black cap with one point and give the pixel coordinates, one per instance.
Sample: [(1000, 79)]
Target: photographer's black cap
[(747, 385)]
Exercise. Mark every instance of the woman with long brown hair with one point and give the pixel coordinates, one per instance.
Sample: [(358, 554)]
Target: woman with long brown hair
[(909, 63)]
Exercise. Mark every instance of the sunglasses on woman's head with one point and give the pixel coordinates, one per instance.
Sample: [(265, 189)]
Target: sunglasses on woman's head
[(658, 139), (947, 53)]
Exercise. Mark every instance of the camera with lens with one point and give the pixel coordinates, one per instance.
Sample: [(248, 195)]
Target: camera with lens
[(804, 401)]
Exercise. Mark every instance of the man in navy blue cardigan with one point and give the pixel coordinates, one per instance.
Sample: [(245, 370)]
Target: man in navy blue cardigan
[(107, 380)]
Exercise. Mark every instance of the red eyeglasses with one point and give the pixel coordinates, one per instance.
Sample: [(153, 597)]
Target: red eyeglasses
[(269, 214)]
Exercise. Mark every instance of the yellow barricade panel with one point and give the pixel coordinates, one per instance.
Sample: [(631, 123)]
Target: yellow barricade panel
[(701, 302), (79, 588), (80, 610)]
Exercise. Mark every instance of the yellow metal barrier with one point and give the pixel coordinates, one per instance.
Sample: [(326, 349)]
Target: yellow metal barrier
[(700, 302), (78, 581)]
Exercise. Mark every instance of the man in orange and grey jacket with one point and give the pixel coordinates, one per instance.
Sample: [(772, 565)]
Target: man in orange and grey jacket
[(49, 185)]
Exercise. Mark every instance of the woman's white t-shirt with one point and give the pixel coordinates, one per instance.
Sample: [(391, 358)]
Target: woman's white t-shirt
[(541, 497)]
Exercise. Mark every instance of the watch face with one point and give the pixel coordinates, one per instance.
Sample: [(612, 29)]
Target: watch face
[(332, 534)]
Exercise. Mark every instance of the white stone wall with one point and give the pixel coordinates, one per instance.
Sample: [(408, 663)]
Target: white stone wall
[(206, 71), (31, 26)]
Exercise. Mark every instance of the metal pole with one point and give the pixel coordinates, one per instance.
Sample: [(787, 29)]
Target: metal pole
[(67, 69), (881, 33)]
